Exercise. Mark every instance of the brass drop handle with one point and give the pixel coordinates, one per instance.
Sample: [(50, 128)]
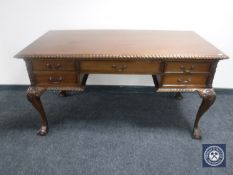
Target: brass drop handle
[(119, 68), (187, 70), (49, 66), (55, 80), (189, 80), (114, 66), (56, 67)]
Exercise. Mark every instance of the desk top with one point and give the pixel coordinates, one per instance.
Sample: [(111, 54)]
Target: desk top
[(121, 44)]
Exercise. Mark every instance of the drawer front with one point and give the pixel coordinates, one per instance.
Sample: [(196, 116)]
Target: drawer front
[(184, 67), (120, 67), (178, 80), (53, 65), (56, 79)]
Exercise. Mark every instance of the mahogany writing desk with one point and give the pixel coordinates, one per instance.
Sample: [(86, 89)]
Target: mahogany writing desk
[(179, 61)]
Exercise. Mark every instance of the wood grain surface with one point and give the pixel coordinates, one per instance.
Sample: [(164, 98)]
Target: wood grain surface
[(121, 44)]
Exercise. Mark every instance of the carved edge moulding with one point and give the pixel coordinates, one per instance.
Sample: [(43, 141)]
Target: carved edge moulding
[(125, 57)]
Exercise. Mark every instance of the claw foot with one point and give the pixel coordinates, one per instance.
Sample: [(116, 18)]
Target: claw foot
[(196, 134), (178, 96), (43, 131), (62, 94)]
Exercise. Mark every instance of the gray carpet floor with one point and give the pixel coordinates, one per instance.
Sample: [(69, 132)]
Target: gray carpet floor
[(112, 131)]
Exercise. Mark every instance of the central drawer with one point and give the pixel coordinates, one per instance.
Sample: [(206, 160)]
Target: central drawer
[(120, 67), (56, 79)]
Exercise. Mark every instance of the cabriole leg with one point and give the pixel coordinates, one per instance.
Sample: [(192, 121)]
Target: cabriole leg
[(33, 95), (208, 96)]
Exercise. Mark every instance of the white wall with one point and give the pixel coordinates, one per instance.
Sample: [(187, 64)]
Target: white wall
[(23, 21)]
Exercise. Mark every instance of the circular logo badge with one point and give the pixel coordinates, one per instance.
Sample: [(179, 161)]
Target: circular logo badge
[(214, 155)]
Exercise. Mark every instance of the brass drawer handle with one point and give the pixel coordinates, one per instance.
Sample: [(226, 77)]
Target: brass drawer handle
[(189, 80), (55, 67), (187, 70), (55, 80), (119, 68), (114, 66), (49, 66)]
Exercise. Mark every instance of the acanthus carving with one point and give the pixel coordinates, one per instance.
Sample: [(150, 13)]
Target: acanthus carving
[(207, 93), (35, 91)]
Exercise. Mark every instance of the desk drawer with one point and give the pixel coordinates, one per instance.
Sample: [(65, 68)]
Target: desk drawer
[(185, 80), (53, 65), (120, 67), (56, 78), (186, 67)]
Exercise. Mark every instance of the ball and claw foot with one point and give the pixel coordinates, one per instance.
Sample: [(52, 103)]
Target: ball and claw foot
[(62, 94), (178, 96), (43, 131), (196, 134)]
